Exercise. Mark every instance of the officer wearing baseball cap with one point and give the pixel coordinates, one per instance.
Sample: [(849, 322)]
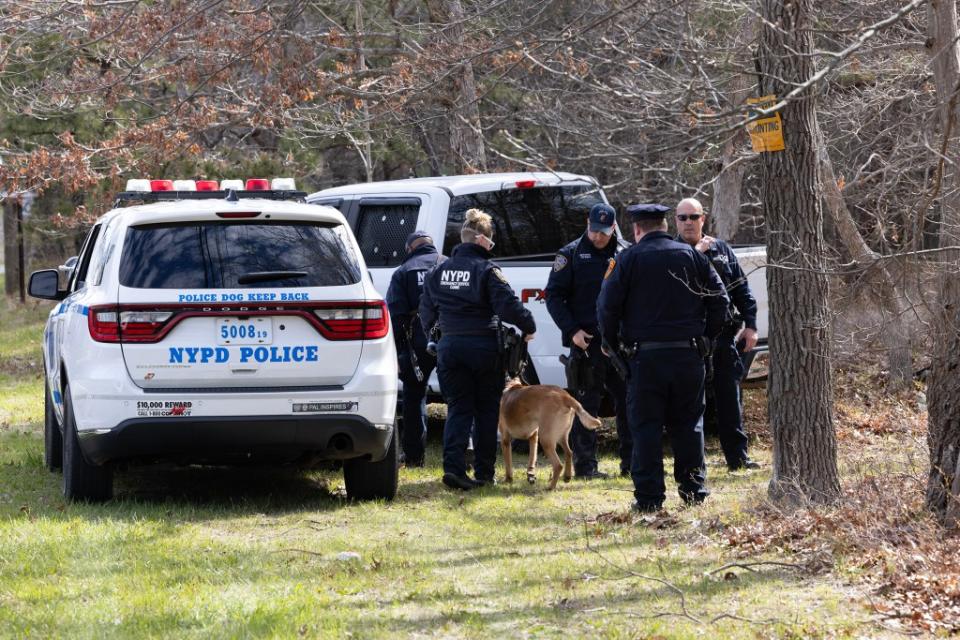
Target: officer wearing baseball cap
[(403, 300), (657, 303), (571, 294)]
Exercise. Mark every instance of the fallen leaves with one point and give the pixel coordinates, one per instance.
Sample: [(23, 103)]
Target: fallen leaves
[(882, 529)]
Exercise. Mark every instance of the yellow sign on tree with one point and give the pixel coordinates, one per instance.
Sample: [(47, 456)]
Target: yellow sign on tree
[(766, 134)]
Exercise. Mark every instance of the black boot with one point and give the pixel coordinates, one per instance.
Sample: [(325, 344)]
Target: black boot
[(462, 483)]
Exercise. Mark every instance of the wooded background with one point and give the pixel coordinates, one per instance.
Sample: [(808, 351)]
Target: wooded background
[(860, 211), (647, 96)]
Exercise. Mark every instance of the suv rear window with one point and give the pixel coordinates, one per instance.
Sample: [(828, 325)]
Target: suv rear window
[(214, 255), (529, 224)]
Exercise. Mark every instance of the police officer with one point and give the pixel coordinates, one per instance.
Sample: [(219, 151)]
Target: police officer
[(466, 292), (727, 363), (658, 301), (571, 294), (403, 300)]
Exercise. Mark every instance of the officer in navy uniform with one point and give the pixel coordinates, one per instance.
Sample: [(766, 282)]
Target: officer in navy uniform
[(571, 294), (467, 293), (658, 301), (403, 300), (727, 362)]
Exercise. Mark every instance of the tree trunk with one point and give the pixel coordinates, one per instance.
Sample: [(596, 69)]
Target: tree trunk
[(428, 148), (365, 143), (725, 210), (725, 207), (892, 301), (799, 392), (11, 253), (466, 136), (943, 417)]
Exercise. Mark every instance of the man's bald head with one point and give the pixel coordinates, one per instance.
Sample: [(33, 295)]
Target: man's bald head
[(690, 218), (689, 205)]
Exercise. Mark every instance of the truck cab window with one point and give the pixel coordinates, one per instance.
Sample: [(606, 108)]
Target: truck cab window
[(529, 224)]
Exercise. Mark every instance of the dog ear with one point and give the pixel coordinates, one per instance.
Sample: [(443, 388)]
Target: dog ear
[(513, 383)]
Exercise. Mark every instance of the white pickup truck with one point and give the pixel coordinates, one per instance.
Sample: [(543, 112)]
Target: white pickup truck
[(535, 214)]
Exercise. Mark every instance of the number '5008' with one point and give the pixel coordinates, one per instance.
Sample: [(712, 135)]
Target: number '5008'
[(241, 331)]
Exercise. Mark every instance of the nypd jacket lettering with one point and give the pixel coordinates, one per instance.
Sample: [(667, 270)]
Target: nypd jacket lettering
[(466, 291)]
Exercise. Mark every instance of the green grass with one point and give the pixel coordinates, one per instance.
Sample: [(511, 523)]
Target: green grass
[(21, 363), (201, 552)]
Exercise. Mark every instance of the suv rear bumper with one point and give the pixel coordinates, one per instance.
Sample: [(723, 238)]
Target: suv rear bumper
[(203, 439)]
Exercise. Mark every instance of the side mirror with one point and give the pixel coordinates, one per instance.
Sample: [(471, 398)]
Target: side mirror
[(44, 284), (66, 270)]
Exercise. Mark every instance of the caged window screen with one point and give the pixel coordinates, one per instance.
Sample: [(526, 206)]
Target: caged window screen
[(382, 230)]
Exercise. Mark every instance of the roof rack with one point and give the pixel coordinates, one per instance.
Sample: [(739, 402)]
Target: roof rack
[(149, 197)]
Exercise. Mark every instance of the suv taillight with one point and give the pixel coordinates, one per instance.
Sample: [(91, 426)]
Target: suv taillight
[(116, 324), (142, 326), (365, 321), (104, 323)]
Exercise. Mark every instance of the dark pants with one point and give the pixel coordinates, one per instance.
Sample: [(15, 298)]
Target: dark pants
[(471, 381), (413, 432), (727, 373), (666, 389), (583, 441)]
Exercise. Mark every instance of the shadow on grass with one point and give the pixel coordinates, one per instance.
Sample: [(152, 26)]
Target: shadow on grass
[(255, 489), (198, 493), (185, 494)]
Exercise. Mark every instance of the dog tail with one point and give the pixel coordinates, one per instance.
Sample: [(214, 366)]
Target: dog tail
[(586, 419)]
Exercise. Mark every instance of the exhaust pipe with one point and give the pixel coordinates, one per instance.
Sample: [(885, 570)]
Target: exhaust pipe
[(340, 443)]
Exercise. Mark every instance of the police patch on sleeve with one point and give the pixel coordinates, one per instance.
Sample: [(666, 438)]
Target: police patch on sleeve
[(500, 276), (610, 267), (560, 262)]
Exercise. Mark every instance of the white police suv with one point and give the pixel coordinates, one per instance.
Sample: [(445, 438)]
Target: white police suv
[(218, 323)]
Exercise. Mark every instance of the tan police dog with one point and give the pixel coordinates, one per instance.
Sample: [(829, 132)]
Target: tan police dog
[(543, 412)]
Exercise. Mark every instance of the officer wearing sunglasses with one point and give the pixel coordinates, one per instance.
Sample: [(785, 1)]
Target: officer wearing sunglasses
[(658, 300), (732, 341)]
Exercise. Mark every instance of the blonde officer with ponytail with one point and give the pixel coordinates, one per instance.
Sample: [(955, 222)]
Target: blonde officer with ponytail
[(465, 293)]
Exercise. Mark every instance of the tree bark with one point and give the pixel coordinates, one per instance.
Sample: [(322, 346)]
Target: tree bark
[(365, 144), (892, 300), (11, 253), (799, 392), (943, 419), (725, 208), (466, 136)]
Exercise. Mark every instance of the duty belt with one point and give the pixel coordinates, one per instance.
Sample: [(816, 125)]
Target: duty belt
[(673, 344)]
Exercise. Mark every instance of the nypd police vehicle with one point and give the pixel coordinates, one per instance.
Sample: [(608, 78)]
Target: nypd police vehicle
[(534, 215), (218, 323)]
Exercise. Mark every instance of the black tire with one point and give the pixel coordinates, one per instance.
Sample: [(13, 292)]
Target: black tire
[(82, 481), (52, 436), (367, 480)]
